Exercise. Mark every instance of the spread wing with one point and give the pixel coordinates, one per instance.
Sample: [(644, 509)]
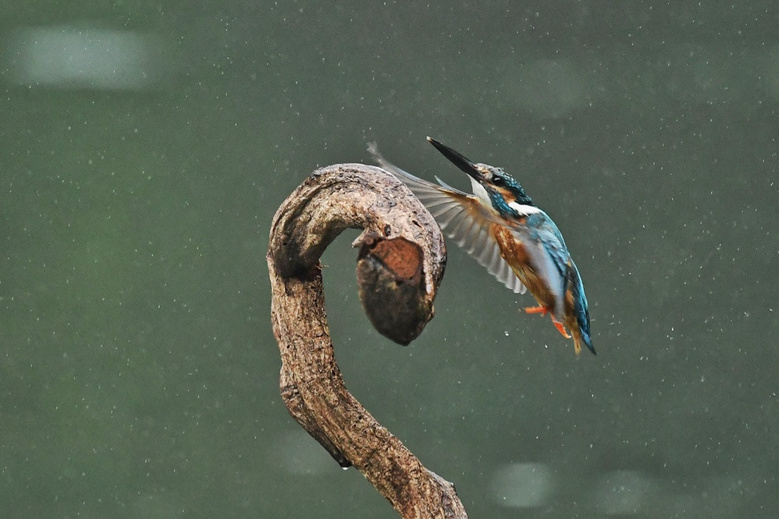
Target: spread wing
[(462, 218)]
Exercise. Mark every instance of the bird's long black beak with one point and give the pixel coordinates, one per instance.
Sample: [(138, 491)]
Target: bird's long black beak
[(456, 158)]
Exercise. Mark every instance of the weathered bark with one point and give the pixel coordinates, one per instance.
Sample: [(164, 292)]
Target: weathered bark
[(400, 264)]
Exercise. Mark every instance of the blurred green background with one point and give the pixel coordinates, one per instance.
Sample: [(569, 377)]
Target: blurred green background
[(145, 147)]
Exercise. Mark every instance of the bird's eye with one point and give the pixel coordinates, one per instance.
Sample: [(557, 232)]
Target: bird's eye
[(497, 181)]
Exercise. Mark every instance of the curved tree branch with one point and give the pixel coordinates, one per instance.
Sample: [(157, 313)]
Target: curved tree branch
[(401, 262)]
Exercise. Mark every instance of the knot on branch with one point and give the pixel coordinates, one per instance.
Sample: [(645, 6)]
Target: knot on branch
[(391, 286)]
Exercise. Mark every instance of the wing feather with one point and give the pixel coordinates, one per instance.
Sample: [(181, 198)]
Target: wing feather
[(462, 218)]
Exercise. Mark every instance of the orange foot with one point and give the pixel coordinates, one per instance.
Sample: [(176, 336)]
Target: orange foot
[(543, 311), (537, 310), (561, 329)]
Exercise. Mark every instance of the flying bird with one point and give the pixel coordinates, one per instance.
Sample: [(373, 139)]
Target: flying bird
[(518, 243)]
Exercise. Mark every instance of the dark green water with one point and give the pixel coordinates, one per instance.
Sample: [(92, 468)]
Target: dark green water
[(144, 148)]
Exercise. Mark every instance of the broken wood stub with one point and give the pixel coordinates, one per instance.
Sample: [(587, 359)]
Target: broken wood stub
[(391, 286)]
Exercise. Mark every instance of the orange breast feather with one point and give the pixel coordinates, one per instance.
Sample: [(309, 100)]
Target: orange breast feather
[(516, 255)]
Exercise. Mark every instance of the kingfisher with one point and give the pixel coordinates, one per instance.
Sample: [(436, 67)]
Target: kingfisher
[(500, 226)]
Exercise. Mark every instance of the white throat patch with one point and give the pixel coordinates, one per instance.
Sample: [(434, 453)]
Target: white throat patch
[(524, 210)]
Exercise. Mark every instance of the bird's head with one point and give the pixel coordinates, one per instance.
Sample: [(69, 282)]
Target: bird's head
[(491, 185)]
